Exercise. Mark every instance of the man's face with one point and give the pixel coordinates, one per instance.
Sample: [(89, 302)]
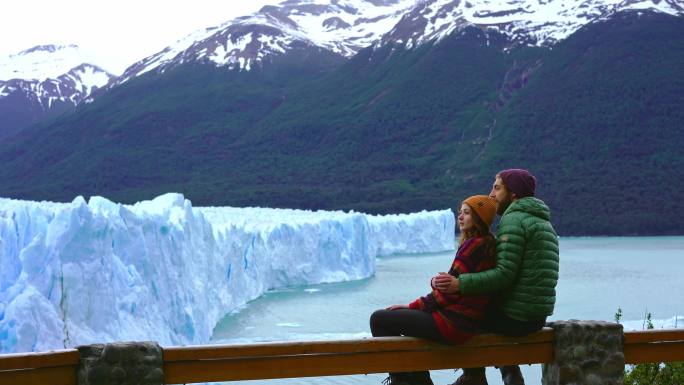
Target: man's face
[(501, 195)]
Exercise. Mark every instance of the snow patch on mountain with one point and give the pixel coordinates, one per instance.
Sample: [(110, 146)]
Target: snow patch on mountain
[(42, 62), (72, 87), (534, 22), (47, 74)]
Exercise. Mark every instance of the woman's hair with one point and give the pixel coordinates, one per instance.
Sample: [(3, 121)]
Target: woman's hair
[(479, 229)]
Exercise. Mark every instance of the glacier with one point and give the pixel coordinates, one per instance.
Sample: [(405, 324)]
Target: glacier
[(98, 271)]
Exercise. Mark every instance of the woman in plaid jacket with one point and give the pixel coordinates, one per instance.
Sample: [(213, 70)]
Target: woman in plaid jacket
[(442, 315)]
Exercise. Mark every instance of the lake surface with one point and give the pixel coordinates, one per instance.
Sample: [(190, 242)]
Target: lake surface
[(597, 276)]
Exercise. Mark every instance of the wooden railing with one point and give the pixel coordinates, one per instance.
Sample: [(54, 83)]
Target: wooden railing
[(654, 346), (325, 358), (53, 368)]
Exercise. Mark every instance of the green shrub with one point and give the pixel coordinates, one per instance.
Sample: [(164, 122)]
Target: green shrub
[(660, 373)]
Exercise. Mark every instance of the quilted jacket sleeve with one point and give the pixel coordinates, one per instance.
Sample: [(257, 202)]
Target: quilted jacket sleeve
[(510, 247)]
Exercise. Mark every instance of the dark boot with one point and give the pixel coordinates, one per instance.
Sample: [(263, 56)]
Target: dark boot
[(399, 378), (472, 376), (421, 378), (408, 378), (511, 375)]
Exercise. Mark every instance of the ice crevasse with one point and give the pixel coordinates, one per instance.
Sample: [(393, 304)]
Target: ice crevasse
[(91, 272)]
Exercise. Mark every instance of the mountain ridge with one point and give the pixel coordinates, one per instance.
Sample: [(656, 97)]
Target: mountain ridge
[(392, 129), (248, 40), (347, 26), (342, 27)]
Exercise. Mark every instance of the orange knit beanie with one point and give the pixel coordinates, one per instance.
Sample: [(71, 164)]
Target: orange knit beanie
[(484, 206)]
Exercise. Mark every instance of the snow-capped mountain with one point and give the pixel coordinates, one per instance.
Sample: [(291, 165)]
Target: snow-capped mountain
[(346, 26), (343, 27), (48, 73), (43, 81), (530, 22), (339, 26)]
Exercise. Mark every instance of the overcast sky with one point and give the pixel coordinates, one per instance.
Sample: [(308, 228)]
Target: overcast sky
[(117, 33)]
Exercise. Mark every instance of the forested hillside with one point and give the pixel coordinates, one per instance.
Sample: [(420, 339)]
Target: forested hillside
[(597, 117)]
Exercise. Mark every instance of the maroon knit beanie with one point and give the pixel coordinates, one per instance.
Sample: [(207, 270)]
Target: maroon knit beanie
[(518, 181)]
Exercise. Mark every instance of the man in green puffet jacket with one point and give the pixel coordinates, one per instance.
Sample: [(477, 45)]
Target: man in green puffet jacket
[(526, 269)]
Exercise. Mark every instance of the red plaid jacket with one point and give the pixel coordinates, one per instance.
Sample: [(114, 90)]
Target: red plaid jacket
[(457, 315)]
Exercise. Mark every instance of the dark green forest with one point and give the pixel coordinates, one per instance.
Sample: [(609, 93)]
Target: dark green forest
[(597, 118)]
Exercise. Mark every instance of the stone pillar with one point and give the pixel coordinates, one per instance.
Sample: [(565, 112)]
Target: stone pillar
[(122, 363), (586, 353)]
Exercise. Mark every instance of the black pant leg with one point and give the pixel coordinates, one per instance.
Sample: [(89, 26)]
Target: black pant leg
[(405, 322)]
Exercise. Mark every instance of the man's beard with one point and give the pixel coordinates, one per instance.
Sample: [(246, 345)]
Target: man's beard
[(503, 205)]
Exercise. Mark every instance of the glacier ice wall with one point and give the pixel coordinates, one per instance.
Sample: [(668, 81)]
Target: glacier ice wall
[(90, 272)]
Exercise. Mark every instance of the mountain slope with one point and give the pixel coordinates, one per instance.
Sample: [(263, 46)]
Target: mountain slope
[(601, 121), (133, 135), (393, 129)]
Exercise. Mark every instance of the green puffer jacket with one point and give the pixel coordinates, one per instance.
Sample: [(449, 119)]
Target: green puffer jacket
[(526, 269)]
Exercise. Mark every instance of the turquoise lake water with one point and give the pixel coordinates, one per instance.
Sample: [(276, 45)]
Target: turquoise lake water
[(597, 275)]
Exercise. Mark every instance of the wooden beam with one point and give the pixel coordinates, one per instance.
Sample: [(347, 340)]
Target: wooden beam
[(373, 344), (62, 375), (342, 357), (654, 335), (330, 364), (637, 353), (68, 357)]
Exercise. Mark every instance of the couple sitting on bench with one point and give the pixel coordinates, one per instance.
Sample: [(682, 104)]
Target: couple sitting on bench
[(503, 285)]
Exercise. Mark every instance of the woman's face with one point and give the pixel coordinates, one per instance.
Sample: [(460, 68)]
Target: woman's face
[(465, 218)]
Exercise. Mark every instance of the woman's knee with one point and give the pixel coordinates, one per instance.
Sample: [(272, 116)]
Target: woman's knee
[(378, 321), (377, 316)]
